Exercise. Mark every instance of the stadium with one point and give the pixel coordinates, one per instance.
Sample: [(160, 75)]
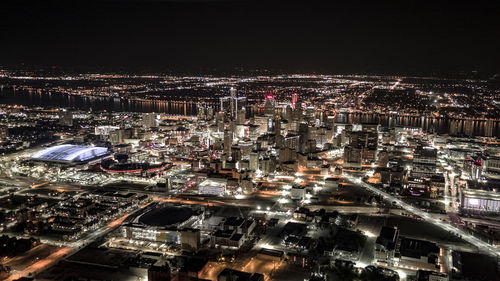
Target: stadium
[(164, 224), (167, 216), (137, 169), (69, 153)]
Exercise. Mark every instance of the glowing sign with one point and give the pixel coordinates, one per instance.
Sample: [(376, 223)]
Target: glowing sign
[(474, 201)]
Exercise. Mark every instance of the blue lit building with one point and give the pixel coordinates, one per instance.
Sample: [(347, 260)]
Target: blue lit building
[(69, 153)]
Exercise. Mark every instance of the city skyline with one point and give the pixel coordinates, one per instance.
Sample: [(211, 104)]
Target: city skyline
[(236, 140)]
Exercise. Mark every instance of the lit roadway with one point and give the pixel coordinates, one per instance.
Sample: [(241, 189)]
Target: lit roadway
[(60, 254), (42, 264), (481, 245)]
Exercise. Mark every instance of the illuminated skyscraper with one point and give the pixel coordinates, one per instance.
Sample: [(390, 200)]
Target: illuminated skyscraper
[(232, 103), (269, 105), (294, 99)]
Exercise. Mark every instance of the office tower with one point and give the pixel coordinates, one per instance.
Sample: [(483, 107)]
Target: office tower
[(232, 103), (219, 119), (352, 155), (262, 124), (149, 120), (298, 114), (269, 105), (294, 100), (364, 141), (424, 162), (66, 118), (289, 114), (116, 137), (304, 136), (383, 158), (291, 141), (228, 141), (277, 127), (241, 116), (254, 160)]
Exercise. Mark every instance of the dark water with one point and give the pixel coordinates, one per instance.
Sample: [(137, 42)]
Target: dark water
[(87, 103), (440, 125), (430, 124)]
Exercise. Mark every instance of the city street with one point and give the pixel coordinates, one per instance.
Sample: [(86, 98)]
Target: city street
[(481, 245)]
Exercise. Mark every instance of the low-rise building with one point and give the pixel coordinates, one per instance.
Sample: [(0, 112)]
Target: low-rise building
[(417, 254), (385, 245)]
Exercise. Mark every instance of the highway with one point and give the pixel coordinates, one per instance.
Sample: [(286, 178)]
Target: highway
[(481, 245), (42, 264)]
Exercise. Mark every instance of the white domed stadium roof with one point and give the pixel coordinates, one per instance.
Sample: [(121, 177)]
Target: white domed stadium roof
[(70, 153)]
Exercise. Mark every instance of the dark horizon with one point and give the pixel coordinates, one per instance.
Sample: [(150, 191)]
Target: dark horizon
[(389, 37)]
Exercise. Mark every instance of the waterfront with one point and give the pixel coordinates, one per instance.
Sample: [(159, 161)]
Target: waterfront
[(95, 103), (428, 123)]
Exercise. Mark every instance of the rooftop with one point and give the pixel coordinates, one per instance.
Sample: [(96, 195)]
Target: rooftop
[(417, 248), (70, 153), (166, 216), (388, 237)]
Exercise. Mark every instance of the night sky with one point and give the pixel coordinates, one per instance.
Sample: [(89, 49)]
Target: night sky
[(309, 36)]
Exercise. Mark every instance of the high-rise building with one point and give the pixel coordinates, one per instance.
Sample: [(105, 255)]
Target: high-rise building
[(254, 160), (277, 127), (294, 99), (383, 158), (298, 114), (219, 120), (304, 136), (424, 162), (289, 114), (149, 120), (116, 137), (228, 141), (232, 103), (66, 118), (269, 105), (352, 155), (105, 130), (268, 165), (262, 124), (241, 116), (292, 142)]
